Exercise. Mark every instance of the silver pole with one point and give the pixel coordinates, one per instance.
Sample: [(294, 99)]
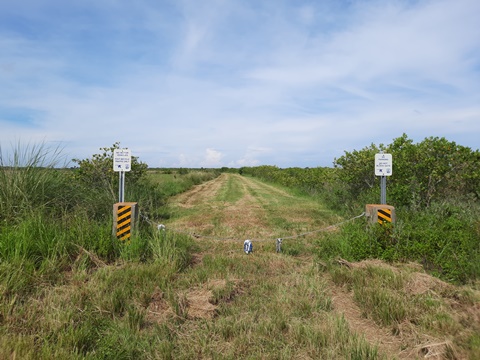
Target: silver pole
[(383, 190), (121, 186)]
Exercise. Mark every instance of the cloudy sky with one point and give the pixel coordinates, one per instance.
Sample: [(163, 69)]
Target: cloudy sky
[(192, 83)]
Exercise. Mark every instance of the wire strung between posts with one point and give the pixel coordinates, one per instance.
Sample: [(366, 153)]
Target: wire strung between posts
[(144, 217), (197, 236), (324, 229), (162, 227)]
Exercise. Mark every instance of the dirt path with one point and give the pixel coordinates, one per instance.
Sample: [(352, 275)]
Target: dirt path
[(200, 193), (232, 206), (211, 209), (235, 208)]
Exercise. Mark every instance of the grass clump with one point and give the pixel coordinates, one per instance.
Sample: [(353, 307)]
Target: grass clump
[(405, 299), (443, 238), (28, 181)]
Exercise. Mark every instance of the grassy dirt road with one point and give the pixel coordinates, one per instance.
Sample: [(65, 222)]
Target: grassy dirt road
[(188, 291), (236, 207), (275, 305)]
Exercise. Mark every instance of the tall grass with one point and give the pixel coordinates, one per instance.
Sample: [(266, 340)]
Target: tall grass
[(51, 223), (68, 289), (174, 249), (443, 238), (27, 179)]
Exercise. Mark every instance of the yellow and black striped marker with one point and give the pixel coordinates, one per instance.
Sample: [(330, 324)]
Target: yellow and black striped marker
[(384, 215), (124, 222)]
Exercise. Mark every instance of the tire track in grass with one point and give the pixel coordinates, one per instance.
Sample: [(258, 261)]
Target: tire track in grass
[(190, 209), (243, 217), (222, 207), (232, 206), (236, 207), (289, 215)]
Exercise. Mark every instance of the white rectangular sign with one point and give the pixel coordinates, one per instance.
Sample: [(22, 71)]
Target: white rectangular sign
[(383, 164), (122, 160)]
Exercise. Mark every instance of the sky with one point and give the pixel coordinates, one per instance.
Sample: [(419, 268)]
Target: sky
[(213, 83)]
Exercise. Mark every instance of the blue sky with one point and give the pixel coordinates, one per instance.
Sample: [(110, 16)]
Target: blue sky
[(211, 83)]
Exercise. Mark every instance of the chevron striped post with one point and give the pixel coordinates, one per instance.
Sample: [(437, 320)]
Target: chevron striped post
[(380, 213), (125, 216)]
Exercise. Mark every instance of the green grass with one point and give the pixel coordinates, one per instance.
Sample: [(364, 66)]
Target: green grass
[(265, 310), (173, 183), (68, 290), (392, 297), (232, 192), (89, 312)]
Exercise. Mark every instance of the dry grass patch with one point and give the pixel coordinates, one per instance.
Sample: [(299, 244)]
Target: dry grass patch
[(197, 195), (436, 321), (159, 310), (194, 303), (199, 305), (421, 283)]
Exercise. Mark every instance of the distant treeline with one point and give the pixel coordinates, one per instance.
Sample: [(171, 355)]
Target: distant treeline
[(433, 170), (435, 188)]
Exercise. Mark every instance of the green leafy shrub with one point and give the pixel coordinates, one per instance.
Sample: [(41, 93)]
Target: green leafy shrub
[(431, 171), (97, 172), (435, 189)]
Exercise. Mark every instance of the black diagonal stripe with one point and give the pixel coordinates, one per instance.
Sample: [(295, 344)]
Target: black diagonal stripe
[(122, 209), (124, 236), (385, 215), (124, 216)]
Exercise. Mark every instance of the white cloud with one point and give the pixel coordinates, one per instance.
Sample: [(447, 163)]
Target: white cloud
[(240, 83), (212, 158), (252, 157)]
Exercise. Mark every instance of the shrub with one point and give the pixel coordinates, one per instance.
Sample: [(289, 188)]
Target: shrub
[(443, 238), (97, 172)]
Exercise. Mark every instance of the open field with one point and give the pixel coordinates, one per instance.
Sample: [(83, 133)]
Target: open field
[(191, 292), (375, 309)]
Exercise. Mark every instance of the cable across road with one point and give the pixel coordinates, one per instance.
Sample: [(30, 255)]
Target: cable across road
[(324, 229), (197, 236)]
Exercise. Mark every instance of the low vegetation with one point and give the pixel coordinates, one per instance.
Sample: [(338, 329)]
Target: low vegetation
[(69, 290), (436, 194)]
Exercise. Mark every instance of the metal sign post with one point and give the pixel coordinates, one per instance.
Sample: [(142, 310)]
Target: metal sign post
[(383, 168), (121, 186), (383, 190), (122, 161)]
